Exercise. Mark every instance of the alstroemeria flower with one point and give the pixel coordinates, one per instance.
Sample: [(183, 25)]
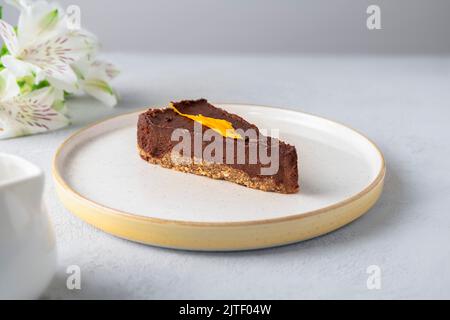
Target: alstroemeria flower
[(44, 45), (27, 114), (94, 78), (46, 57)]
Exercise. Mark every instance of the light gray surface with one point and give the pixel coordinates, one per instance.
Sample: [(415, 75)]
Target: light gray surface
[(401, 103), (236, 26)]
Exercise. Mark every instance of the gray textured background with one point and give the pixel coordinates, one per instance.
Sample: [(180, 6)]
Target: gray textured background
[(267, 26)]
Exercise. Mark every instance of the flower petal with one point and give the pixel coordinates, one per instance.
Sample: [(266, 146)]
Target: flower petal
[(55, 55), (81, 68), (95, 70), (100, 90), (87, 43), (65, 80), (59, 103), (9, 37), (30, 114), (39, 20), (8, 85), (20, 68), (103, 70)]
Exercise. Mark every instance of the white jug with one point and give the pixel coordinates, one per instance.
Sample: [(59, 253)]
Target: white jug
[(27, 242)]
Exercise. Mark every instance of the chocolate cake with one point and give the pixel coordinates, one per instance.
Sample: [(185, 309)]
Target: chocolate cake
[(256, 161)]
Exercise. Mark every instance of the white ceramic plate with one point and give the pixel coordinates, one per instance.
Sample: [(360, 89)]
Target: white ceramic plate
[(101, 178)]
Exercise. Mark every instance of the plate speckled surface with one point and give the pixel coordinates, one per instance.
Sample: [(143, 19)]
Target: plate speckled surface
[(100, 177)]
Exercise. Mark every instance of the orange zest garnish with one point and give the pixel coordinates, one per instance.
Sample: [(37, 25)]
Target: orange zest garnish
[(223, 127)]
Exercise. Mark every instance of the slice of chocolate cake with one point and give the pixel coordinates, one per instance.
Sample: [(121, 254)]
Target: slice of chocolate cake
[(196, 137)]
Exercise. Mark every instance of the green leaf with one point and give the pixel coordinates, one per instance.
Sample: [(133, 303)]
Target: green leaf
[(27, 85), (4, 51), (40, 85), (1, 12)]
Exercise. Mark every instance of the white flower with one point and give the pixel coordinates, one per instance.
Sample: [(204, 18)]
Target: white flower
[(27, 114), (47, 56), (94, 78), (44, 45)]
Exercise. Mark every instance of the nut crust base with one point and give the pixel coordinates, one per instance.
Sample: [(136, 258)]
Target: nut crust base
[(216, 171)]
